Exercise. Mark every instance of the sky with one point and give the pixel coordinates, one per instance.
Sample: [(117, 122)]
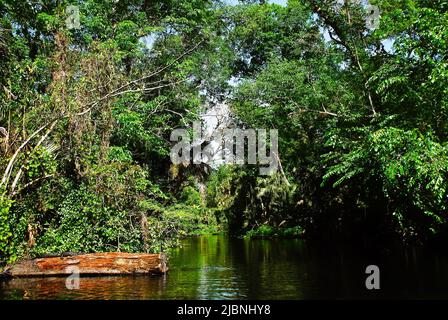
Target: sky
[(280, 2)]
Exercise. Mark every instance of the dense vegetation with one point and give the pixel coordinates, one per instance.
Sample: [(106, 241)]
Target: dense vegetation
[(86, 116)]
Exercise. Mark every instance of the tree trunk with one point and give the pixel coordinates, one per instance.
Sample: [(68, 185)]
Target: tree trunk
[(113, 263)]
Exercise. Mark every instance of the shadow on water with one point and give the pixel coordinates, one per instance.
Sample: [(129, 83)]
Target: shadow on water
[(218, 267)]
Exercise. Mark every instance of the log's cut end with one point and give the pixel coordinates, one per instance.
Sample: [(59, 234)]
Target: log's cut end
[(109, 263)]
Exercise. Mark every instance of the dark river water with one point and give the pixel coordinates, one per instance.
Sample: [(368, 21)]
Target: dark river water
[(217, 267)]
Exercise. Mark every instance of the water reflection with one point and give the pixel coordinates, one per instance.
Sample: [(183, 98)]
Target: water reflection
[(216, 267)]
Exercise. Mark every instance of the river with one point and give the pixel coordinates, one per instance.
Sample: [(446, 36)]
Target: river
[(219, 267)]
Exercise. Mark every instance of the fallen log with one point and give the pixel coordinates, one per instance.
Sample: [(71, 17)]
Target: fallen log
[(93, 264)]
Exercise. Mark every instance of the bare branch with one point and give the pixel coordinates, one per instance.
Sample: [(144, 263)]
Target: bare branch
[(42, 139), (31, 183), (11, 162)]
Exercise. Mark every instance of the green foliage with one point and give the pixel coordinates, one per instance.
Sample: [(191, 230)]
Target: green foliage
[(5, 231), (120, 154), (84, 224), (266, 231), (191, 196), (246, 201), (262, 231), (363, 129), (294, 232), (78, 183), (410, 169), (166, 225)]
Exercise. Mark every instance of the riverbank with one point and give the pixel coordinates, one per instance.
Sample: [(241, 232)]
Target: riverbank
[(266, 231)]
